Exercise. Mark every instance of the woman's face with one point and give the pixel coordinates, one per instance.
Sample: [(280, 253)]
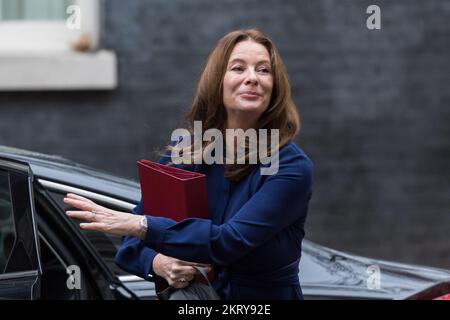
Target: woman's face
[(248, 80)]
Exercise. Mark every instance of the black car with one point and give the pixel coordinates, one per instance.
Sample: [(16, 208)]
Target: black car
[(45, 255)]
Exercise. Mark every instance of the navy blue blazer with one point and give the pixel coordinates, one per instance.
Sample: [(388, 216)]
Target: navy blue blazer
[(253, 238)]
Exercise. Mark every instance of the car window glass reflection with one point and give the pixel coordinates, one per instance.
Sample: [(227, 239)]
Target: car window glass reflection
[(7, 229)]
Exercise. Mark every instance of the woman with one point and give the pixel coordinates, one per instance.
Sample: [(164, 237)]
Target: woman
[(254, 236)]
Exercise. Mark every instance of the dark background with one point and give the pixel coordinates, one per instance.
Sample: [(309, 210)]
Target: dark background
[(374, 106)]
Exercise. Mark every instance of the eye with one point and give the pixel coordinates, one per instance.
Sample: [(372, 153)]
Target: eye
[(264, 70), (237, 68)]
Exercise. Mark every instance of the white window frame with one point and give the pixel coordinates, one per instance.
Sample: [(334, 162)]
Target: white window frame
[(38, 35), (39, 55)]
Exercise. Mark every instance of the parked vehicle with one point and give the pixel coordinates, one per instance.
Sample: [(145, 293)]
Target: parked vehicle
[(45, 255)]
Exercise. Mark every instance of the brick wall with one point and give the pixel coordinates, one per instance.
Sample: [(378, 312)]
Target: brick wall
[(375, 108)]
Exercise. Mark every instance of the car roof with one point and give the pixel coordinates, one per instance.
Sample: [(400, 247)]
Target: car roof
[(58, 169), (328, 272)]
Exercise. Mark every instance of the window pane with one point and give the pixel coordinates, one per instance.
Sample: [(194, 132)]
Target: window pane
[(7, 229), (34, 9), (106, 245)]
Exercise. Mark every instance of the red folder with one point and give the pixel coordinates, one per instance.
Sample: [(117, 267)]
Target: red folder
[(172, 192)]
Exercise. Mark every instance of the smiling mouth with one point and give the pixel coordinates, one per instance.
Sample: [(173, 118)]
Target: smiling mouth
[(250, 95)]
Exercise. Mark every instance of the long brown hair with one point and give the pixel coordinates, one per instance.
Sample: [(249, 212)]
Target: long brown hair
[(207, 105)]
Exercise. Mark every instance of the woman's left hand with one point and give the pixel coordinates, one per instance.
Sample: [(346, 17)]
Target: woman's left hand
[(102, 219)]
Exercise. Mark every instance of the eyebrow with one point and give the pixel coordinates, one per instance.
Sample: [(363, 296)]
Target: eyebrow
[(243, 61)]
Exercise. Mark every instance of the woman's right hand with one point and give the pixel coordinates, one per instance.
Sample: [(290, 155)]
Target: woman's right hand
[(178, 273)]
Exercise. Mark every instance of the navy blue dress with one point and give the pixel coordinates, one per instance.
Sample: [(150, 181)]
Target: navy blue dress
[(253, 238)]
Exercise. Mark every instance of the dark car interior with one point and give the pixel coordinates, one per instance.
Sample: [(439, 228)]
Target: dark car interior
[(55, 259), (7, 231), (106, 245), (54, 265), (54, 276)]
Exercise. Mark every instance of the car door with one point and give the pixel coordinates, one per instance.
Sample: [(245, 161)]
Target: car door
[(20, 268)]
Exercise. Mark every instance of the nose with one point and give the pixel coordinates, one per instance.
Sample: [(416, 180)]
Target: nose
[(252, 78)]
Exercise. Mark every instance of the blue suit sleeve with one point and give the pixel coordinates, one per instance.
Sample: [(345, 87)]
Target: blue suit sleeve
[(133, 256), (280, 201)]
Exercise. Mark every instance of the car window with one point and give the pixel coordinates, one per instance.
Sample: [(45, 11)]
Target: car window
[(105, 244), (7, 229)]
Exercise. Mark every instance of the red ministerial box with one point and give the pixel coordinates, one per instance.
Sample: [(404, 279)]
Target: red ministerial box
[(172, 192)]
